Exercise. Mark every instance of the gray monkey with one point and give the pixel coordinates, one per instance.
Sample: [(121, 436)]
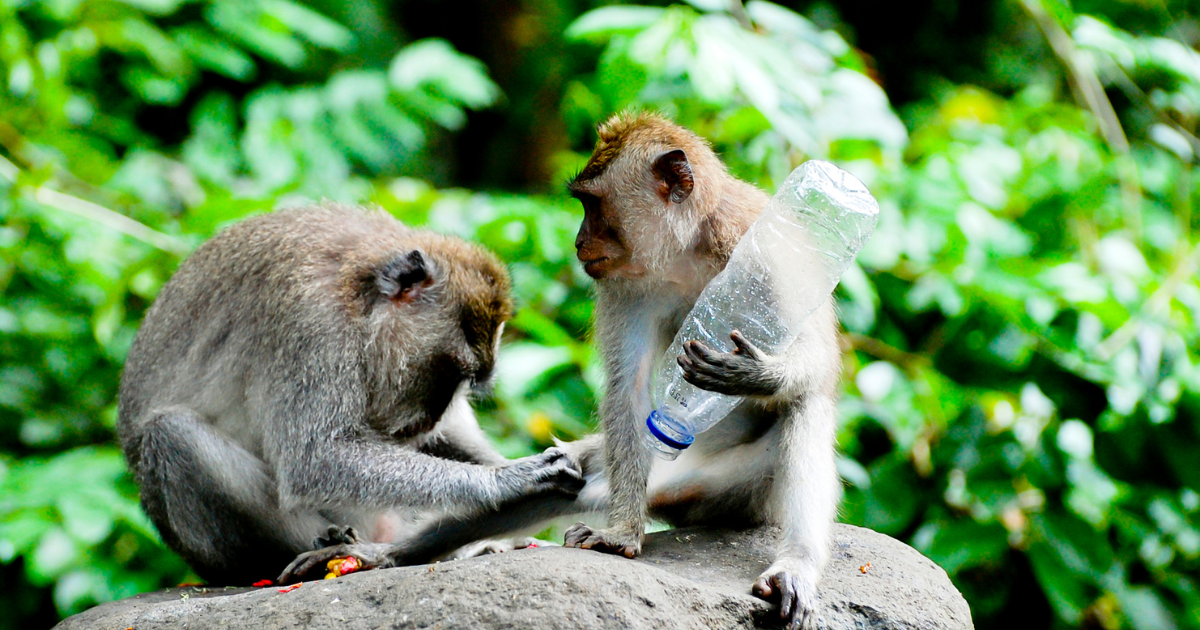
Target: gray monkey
[(300, 388)]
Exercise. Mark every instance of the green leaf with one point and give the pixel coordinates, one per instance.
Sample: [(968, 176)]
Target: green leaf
[(214, 53), (1067, 594), (54, 554), (964, 543), (155, 7), (600, 24), (315, 27), (433, 66), (890, 505)]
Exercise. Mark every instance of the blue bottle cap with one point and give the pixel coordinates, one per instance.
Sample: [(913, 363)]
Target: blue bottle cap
[(652, 424)]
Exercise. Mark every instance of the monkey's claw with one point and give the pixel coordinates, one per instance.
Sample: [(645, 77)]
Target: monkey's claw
[(744, 372), (312, 564), (797, 597), (583, 536)]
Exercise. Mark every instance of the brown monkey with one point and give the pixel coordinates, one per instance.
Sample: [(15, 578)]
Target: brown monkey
[(661, 217), (306, 373)]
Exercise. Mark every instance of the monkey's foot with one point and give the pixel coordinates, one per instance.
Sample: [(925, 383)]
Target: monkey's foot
[(795, 588), (611, 541), (485, 547), (336, 535), (312, 565)]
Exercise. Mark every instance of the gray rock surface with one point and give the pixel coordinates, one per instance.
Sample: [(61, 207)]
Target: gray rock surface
[(687, 578)]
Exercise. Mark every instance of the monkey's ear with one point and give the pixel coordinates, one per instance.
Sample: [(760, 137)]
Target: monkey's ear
[(403, 278), (675, 173)]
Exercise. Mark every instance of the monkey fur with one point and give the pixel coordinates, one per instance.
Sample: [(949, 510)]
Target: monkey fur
[(661, 216), (300, 388)]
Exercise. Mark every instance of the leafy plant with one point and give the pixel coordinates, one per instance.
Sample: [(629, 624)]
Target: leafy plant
[(1021, 396)]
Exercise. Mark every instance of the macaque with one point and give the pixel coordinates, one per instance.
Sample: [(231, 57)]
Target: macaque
[(300, 388), (661, 216)]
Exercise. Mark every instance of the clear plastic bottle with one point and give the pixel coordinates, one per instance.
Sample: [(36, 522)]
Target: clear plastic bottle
[(782, 270)]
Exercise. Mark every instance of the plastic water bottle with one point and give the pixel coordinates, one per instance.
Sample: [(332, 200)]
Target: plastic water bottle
[(782, 270)]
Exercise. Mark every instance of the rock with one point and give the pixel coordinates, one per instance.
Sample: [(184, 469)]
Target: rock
[(687, 578)]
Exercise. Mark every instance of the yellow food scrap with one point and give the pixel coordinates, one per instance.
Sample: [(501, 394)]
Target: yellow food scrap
[(341, 566)]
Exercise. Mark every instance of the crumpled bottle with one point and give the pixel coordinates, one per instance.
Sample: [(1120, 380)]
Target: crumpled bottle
[(782, 270)]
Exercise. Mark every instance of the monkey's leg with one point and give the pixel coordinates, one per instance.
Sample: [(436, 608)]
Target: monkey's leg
[(441, 536), (450, 531), (626, 460), (806, 494), (730, 487), (215, 503), (801, 385)]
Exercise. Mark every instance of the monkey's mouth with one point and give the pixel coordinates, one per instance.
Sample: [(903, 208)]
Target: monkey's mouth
[(598, 267)]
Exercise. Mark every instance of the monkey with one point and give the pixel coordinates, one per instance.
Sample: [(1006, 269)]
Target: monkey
[(662, 215), (299, 391)]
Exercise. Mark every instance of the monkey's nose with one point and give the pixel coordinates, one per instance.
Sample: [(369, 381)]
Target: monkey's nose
[(587, 254)]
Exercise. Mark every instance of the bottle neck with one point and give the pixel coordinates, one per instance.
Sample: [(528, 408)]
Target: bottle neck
[(666, 438)]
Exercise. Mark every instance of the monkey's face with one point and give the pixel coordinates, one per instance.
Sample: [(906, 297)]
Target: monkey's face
[(435, 315), (601, 241), (633, 212)]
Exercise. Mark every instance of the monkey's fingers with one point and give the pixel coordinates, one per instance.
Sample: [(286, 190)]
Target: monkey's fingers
[(762, 588), (310, 562), (707, 361), (744, 346), (559, 472), (576, 534), (698, 359), (581, 536), (698, 352), (795, 601), (337, 535), (787, 595)]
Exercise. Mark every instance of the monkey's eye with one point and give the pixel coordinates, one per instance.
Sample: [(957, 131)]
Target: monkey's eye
[(403, 278), (590, 202)]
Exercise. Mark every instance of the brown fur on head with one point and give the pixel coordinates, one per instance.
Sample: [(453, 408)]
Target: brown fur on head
[(428, 304), (652, 192)]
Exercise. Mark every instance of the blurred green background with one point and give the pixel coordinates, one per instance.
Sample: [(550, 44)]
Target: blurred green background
[(1022, 389)]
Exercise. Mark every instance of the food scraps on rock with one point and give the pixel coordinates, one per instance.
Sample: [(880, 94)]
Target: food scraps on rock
[(341, 566), (289, 589)]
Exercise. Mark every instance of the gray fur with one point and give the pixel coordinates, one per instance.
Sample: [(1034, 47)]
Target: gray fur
[(310, 368), (772, 459)]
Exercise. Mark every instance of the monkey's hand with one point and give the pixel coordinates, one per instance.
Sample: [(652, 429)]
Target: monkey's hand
[(746, 371), (612, 540), (552, 471), (794, 585), (310, 565)]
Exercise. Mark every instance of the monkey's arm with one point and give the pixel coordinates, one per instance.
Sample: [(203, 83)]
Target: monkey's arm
[(451, 531), (629, 356), (363, 472)]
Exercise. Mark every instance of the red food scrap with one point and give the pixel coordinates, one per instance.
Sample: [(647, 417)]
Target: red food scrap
[(262, 583), (341, 566), (288, 589)]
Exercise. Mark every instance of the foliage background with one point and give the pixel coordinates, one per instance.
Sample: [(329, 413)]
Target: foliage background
[(1022, 396)]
